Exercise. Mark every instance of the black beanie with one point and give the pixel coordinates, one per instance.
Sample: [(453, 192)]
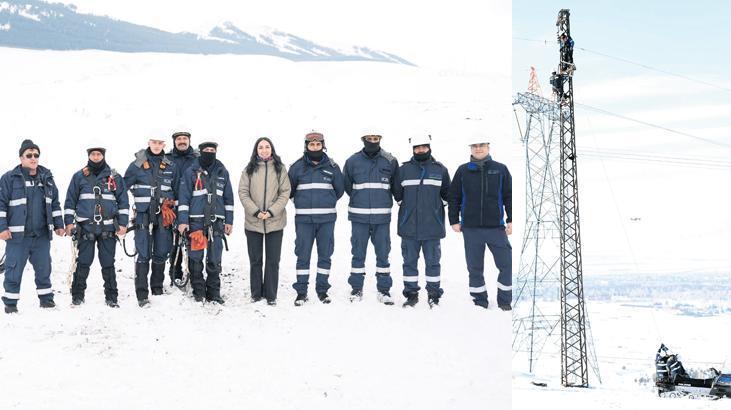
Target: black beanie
[(208, 144), (27, 144)]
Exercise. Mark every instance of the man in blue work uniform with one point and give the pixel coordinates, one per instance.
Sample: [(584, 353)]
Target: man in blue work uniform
[(29, 214), (421, 190), (481, 193), (182, 155), (317, 184), (96, 208), (370, 175), (152, 179), (206, 214)]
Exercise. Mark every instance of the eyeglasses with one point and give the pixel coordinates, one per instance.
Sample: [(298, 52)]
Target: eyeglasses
[(32, 155)]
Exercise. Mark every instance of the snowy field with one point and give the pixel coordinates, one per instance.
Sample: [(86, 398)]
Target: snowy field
[(630, 317), (178, 354)]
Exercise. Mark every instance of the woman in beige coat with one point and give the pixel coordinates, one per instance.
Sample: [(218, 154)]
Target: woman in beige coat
[(264, 191)]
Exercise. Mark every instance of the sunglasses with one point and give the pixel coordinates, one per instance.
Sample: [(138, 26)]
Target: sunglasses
[(33, 155)]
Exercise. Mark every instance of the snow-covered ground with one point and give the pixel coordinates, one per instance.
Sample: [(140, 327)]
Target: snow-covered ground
[(180, 355), (630, 317)]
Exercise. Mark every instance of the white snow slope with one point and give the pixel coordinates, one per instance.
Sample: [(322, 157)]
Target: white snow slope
[(178, 354)]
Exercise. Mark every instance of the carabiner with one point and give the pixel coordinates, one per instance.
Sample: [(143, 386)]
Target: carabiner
[(98, 214)]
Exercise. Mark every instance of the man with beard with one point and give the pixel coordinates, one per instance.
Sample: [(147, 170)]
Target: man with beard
[(152, 179), (421, 191), (206, 206), (183, 156), (96, 206), (369, 176), (317, 184), (29, 213)]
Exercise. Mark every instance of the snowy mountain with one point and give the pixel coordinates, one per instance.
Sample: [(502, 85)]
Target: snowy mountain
[(54, 26)]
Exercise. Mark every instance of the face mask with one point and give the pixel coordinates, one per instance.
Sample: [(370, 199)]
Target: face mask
[(315, 155), (423, 156), (207, 158), (371, 147), (95, 167)]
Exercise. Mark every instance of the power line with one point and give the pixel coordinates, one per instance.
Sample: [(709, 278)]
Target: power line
[(659, 70), (659, 160), (685, 134), (624, 60)]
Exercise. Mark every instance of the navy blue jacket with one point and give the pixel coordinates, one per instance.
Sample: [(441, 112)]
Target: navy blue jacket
[(182, 161), (81, 198), (144, 186), (316, 189), (421, 190), (193, 198), (370, 184), (14, 206), (480, 193)]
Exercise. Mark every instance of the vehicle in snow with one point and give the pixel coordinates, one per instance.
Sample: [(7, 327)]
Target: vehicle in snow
[(672, 380)]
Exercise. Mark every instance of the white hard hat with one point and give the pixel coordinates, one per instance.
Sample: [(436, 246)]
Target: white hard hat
[(477, 137), (371, 131), (156, 134), (422, 139)]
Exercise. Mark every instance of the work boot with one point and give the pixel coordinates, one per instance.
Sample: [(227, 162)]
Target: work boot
[(196, 278), (77, 300), (505, 306), (385, 298), (216, 299), (411, 300), (157, 278), (433, 301), (11, 309), (356, 295), (141, 288), (481, 304), (144, 303), (48, 304), (301, 299), (112, 303), (324, 298)]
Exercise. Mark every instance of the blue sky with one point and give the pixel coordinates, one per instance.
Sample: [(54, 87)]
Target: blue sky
[(688, 37), (642, 216)]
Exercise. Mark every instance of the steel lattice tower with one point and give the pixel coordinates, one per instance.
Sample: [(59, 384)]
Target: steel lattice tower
[(574, 364), (539, 258)]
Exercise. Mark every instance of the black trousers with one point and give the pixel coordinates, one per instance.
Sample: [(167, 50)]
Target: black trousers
[(256, 243)]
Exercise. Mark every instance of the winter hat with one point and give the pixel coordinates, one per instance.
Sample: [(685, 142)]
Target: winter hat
[(179, 134), (205, 145), (26, 145), (314, 136)]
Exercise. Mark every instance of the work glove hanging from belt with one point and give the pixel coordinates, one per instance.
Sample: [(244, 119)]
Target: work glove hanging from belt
[(198, 241), (168, 215)]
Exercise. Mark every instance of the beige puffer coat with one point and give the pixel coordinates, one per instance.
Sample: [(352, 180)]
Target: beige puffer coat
[(264, 191)]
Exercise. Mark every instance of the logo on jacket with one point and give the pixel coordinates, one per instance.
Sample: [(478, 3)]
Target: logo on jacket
[(384, 179)]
